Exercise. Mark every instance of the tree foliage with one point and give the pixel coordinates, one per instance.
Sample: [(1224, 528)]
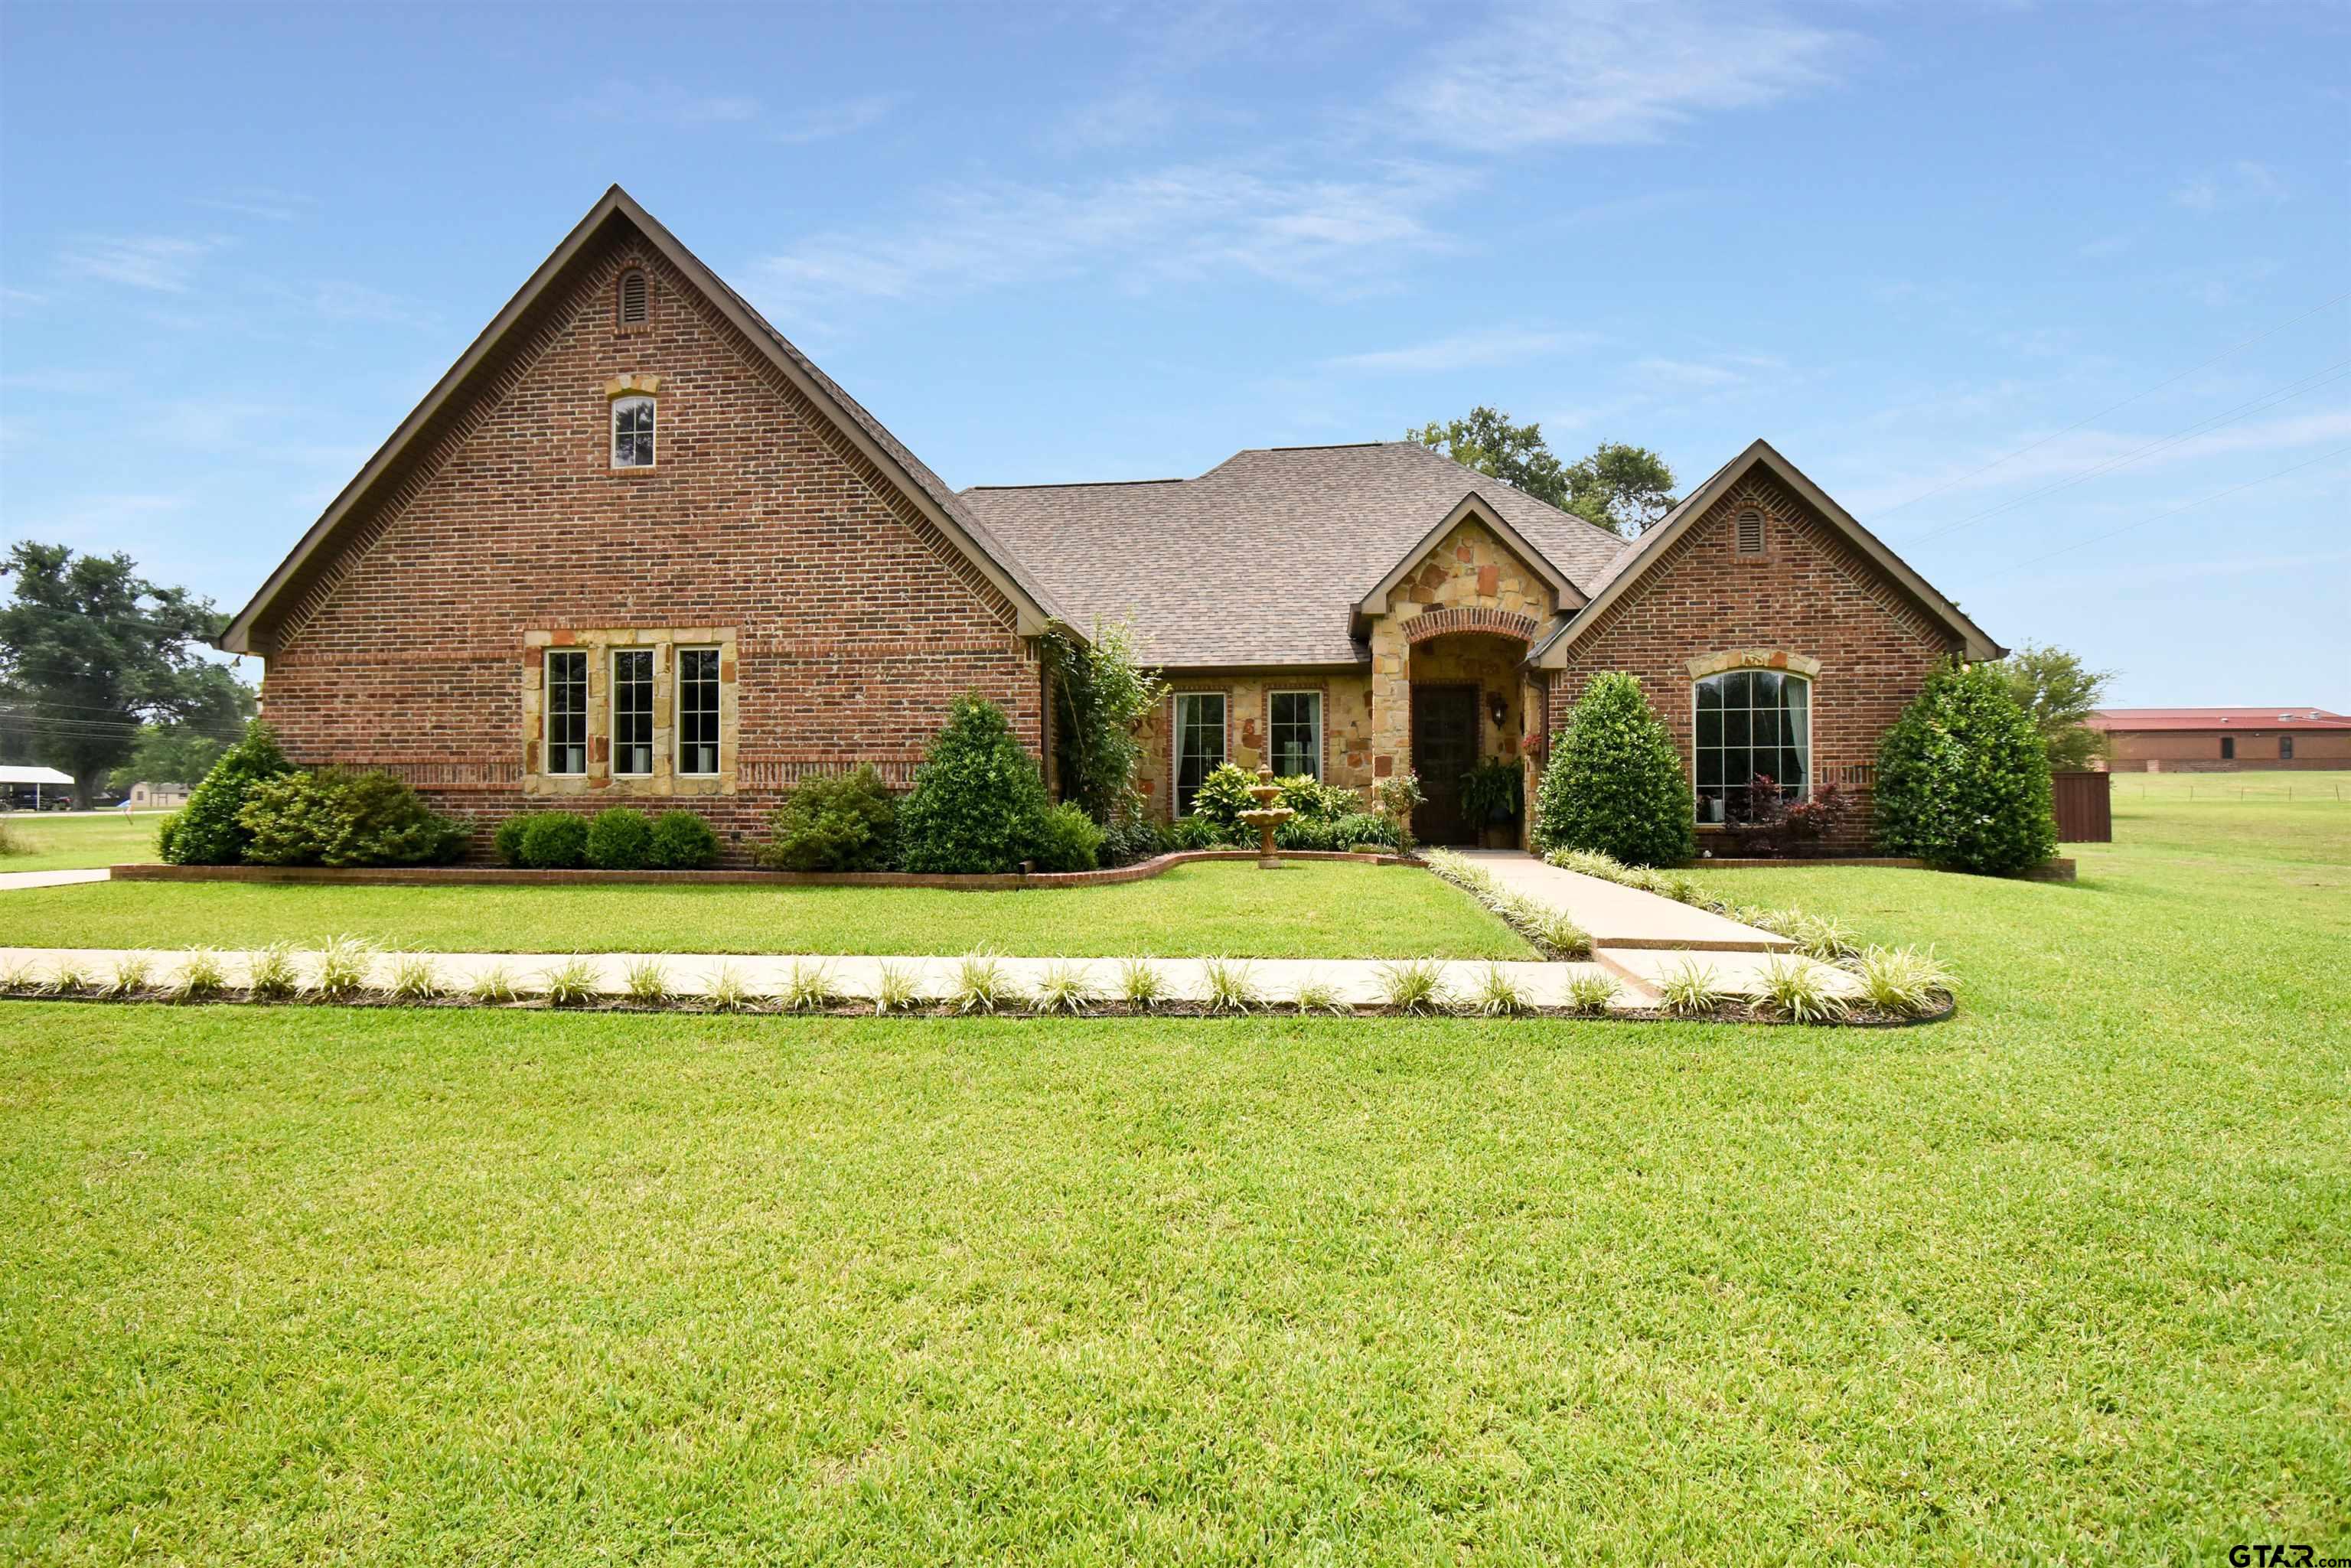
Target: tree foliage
[(90, 651), (978, 803), (171, 753), (1102, 695), (1619, 487), (1963, 777), (1614, 782), (337, 817), (2058, 692)]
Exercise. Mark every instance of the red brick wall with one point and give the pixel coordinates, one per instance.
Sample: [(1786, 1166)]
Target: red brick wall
[(856, 622), (1810, 593)]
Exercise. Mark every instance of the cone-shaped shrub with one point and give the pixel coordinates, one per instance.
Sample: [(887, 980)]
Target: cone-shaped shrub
[(205, 832), (978, 803), (1963, 777), (1615, 783)]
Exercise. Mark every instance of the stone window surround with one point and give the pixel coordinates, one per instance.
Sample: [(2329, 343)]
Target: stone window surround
[(1730, 659), (665, 781)]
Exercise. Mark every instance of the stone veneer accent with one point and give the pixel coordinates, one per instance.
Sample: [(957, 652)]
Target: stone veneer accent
[(1471, 583), (1706, 664), (664, 779)]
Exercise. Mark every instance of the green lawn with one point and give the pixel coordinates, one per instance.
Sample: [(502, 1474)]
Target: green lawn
[(2063, 1279), (55, 842), (1307, 909)]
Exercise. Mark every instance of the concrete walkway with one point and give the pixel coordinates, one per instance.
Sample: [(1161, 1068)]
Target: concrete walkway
[(1356, 980), (1623, 917), (16, 879)]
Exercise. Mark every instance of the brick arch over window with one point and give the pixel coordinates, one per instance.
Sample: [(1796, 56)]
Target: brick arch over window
[(1470, 618), (1706, 664)]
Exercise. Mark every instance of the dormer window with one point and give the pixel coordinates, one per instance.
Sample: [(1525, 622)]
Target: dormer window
[(632, 433), (636, 299)]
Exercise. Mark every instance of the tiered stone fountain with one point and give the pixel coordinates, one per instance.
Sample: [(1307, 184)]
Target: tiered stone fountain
[(1266, 818)]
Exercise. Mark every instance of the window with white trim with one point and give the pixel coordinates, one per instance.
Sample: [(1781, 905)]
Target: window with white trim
[(1199, 743), (632, 711), (632, 432), (566, 710), (697, 711), (1750, 724), (1294, 731)]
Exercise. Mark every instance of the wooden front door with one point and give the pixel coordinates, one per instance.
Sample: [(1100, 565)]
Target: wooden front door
[(1444, 748)]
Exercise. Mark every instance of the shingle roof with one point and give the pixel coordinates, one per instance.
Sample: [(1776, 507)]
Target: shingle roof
[(1261, 559)]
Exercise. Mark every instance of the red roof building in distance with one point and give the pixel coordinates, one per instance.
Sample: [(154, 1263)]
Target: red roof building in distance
[(2223, 739)]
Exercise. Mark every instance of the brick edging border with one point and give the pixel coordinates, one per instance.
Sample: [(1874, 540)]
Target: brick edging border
[(505, 876)]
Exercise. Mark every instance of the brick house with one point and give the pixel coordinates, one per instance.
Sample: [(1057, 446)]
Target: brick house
[(635, 547)]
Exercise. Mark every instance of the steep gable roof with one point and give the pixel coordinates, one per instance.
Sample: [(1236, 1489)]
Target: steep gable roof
[(1651, 548), (1268, 558), (945, 510)]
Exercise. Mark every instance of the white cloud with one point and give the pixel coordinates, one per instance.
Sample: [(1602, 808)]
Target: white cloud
[(1464, 351), (256, 201), (2241, 183), (828, 120), (1182, 222), (1607, 71), (1719, 374), (163, 264)]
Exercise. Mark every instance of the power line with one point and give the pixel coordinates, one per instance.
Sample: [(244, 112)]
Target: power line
[(2032, 445), (2159, 516), (2246, 410)]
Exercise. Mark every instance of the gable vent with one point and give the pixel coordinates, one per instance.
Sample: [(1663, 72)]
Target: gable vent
[(1751, 532), (635, 306)]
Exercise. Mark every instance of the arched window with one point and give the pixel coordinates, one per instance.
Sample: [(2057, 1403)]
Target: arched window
[(632, 433), (1752, 724), (636, 299)]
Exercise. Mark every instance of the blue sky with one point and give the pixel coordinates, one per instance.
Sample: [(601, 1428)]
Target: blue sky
[(2053, 298)]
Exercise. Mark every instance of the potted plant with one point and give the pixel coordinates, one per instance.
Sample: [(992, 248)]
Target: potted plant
[(1492, 796)]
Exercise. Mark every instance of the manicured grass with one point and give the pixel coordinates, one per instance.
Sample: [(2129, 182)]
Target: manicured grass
[(58, 842), (1307, 909), (2063, 1279)]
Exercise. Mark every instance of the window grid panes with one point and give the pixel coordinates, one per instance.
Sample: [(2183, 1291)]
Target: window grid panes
[(632, 711), (1199, 743), (698, 710), (566, 710), (1750, 723), (1295, 722), (2285, 748), (632, 433)]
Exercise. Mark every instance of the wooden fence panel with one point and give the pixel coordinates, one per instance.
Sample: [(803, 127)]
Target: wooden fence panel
[(2086, 808)]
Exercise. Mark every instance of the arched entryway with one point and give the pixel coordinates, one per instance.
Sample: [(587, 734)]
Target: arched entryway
[(1469, 700)]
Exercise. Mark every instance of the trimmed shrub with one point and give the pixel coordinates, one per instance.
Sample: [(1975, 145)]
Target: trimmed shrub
[(682, 842), (1130, 839), (978, 803), (1398, 795), (1963, 777), (554, 840), (619, 839), (508, 838), (206, 831), (1614, 782), (834, 822), (336, 818), (1069, 841)]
